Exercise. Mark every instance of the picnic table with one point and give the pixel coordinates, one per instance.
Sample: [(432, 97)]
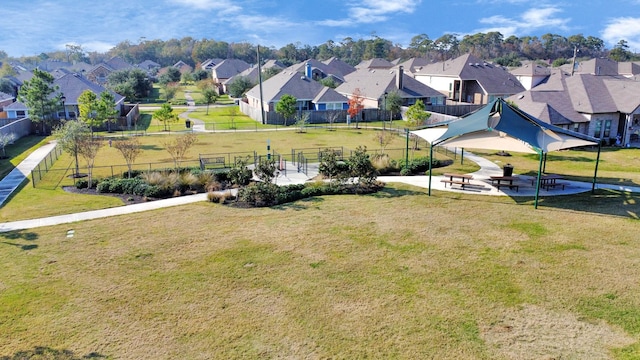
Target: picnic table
[(464, 180), (550, 181), (500, 181)]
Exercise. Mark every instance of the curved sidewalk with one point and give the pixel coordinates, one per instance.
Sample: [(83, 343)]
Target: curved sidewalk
[(285, 177)]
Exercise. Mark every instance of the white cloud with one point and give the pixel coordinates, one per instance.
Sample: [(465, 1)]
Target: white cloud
[(530, 21), (373, 11), (226, 6), (624, 28)]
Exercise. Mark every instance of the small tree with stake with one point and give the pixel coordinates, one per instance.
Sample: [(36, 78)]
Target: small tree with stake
[(179, 147), (71, 136), (165, 115), (355, 105), (130, 149)]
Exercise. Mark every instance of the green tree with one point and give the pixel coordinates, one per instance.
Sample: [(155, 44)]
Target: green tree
[(393, 104), (286, 107), (416, 117), (38, 95), (131, 83), (106, 110), (88, 108), (7, 70), (170, 90), (210, 96), (171, 75), (165, 115), (233, 112), (239, 86), (7, 87), (301, 121), (71, 136)]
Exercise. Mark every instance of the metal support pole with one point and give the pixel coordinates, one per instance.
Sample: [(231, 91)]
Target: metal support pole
[(406, 153)]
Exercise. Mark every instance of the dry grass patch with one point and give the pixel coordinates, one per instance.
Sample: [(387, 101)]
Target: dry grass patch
[(391, 275)]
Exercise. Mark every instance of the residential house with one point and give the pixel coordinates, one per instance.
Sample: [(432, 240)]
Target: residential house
[(225, 70), (310, 94), (5, 100), (183, 67), (375, 84), (100, 72), (208, 64), (71, 86), (338, 66), (603, 106), (469, 79), (150, 67), (375, 63), (252, 72), (414, 65), (531, 74)]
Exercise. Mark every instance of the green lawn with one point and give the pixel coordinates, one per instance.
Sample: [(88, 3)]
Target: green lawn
[(396, 274)]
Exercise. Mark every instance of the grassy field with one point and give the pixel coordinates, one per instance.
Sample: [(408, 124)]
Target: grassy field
[(396, 274)]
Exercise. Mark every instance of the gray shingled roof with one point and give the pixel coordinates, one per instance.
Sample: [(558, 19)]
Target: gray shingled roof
[(294, 84), (375, 63), (373, 83), (597, 66), (494, 79), (564, 98), (339, 67), (5, 96), (72, 85), (117, 63), (228, 68), (531, 69)]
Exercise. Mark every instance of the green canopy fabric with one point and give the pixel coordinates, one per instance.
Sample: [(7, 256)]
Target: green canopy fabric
[(499, 126)]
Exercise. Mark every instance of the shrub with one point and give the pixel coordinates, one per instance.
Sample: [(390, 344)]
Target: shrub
[(84, 183), (259, 194), (216, 197)]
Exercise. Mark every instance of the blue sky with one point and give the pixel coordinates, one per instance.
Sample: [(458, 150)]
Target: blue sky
[(29, 27)]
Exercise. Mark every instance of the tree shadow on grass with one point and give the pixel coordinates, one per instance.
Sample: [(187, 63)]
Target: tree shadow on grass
[(44, 352), (395, 192), (20, 235), (302, 204)]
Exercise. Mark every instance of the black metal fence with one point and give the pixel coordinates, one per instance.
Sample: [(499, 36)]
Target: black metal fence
[(45, 165)]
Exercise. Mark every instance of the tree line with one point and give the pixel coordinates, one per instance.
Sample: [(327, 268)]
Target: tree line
[(489, 46)]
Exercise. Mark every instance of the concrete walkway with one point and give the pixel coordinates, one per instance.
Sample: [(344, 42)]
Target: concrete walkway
[(290, 175), (15, 178)]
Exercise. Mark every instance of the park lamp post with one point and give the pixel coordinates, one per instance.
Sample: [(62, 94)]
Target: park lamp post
[(64, 110), (384, 109)]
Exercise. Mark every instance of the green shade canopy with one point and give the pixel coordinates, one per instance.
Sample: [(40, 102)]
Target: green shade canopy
[(499, 126)]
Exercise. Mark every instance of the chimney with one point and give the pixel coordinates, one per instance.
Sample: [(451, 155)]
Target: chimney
[(307, 71), (399, 76)]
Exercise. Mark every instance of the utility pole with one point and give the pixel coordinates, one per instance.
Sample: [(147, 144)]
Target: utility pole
[(573, 61)]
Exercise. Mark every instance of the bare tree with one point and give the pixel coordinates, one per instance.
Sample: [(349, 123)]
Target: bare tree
[(332, 116), (179, 147), (130, 149), (88, 149)]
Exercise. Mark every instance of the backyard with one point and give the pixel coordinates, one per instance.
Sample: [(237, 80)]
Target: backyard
[(396, 274)]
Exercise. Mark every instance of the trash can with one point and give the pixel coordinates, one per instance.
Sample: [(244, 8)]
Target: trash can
[(507, 170), (187, 124)]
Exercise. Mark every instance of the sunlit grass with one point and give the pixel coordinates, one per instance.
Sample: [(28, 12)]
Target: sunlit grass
[(396, 274)]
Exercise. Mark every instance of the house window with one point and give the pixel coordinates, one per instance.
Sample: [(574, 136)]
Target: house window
[(598, 129), (20, 113), (576, 127), (607, 129)]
